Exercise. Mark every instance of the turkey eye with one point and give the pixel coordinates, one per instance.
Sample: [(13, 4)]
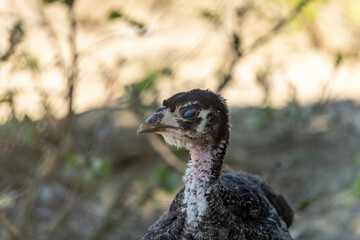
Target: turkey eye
[(190, 113)]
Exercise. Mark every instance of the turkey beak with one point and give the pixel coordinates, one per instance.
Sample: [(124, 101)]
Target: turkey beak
[(153, 123)]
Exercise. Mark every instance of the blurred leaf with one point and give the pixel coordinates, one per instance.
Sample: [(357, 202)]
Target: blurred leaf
[(310, 13), (236, 41), (74, 160), (147, 82), (166, 71), (306, 202), (71, 160), (6, 201), (180, 151), (339, 60), (356, 183), (357, 158), (166, 179), (8, 98), (142, 96), (32, 62), (115, 14), (49, 1), (16, 36), (88, 176), (262, 77), (29, 131), (101, 166), (262, 118), (27, 61), (211, 15), (17, 33), (356, 186)]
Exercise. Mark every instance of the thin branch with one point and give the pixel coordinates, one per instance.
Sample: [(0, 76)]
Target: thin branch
[(9, 227), (73, 73), (276, 29), (16, 36), (278, 26)]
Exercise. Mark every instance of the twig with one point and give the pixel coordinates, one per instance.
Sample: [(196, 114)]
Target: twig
[(73, 73), (16, 36), (278, 26), (276, 29), (9, 228)]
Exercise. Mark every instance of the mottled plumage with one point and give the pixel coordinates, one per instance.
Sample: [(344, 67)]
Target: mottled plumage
[(214, 204)]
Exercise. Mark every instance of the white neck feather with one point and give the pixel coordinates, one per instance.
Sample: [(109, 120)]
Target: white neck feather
[(197, 184)]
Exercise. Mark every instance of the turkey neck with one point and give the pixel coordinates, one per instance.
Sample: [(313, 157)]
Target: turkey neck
[(202, 177)]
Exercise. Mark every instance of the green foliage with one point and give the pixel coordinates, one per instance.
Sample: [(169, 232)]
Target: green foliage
[(8, 99), (117, 14), (236, 42), (93, 168), (166, 179), (356, 186), (356, 183), (262, 118), (87, 176), (306, 202), (180, 151), (49, 1), (338, 59), (16, 36), (29, 132), (101, 166), (135, 93), (17, 33), (73, 160), (210, 15), (6, 201), (291, 115), (31, 62), (147, 82), (309, 12)]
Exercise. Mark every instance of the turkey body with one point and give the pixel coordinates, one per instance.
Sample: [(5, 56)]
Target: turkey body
[(214, 204), (243, 208)]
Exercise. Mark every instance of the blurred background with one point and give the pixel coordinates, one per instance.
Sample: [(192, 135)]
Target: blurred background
[(78, 77)]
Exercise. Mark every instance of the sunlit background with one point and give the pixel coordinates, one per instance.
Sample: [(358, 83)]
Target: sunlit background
[(77, 77)]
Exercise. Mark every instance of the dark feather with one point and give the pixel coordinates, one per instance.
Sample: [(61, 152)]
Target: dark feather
[(229, 205)]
